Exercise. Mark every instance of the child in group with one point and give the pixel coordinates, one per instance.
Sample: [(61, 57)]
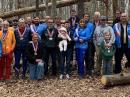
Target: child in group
[(64, 36), (107, 52)]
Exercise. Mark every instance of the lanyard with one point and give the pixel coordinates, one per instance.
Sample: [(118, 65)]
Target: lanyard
[(35, 48)]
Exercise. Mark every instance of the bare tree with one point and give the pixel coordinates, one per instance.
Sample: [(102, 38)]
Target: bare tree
[(54, 12), (115, 7), (37, 7), (80, 8)]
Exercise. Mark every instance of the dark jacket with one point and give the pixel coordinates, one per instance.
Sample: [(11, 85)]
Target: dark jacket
[(47, 42), (21, 44), (76, 23), (30, 53)]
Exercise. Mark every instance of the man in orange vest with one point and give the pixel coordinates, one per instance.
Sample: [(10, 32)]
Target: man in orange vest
[(8, 43)]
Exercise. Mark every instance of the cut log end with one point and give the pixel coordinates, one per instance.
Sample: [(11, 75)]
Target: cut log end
[(104, 80), (116, 79)]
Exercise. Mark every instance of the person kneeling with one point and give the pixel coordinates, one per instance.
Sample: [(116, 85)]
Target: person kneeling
[(35, 54)]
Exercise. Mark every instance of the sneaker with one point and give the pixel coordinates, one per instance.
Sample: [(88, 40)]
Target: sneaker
[(61, 76), (67, 76)]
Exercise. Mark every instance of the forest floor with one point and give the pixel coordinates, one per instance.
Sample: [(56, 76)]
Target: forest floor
[(54, 87)]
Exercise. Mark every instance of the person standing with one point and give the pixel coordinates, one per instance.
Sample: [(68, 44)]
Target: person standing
[(98, 37), (89, 58), (8, 44), (122, 33), (23, 36), (107, 53), (74, 20), (81, 37), (117, 18), (49, 39)]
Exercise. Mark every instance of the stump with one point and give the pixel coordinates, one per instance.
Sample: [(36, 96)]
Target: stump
[(116, 79)]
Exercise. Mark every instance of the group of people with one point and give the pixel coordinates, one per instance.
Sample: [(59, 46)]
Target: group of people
[(51, 43)]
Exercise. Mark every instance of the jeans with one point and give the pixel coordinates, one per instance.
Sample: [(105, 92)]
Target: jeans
[(18, 54), (36, 71), (107, 67), (80, 57)]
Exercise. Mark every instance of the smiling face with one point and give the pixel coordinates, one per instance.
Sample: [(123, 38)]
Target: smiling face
[(35, 38), (82, 23)]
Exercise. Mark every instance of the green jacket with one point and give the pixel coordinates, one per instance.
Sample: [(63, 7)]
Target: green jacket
[(107, 53)]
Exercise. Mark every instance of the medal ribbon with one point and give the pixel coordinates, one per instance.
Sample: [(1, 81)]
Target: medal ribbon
[(35, 47), (50, 33), (21, 35), (4, 35), (73, 21)]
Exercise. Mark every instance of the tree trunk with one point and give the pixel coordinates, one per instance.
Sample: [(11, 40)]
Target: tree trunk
[(117, 79), (47, 9), (54, 11), (115, 7), (37, 7), (80, 8), (42, 7)]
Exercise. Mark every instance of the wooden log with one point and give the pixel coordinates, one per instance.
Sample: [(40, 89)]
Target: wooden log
[(116, 79), (42, 7)]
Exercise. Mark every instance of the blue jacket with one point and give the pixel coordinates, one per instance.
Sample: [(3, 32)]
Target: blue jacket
[(117, 31), (40, 28), (0, 48), (90, 26), (84, 34), (21, 44)]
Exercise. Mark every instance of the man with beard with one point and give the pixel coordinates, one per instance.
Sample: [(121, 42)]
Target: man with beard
[(122, 33), (37, 27)]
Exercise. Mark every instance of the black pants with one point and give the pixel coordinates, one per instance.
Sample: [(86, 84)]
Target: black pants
[(51, 52), (118, 57), (89, 60)]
